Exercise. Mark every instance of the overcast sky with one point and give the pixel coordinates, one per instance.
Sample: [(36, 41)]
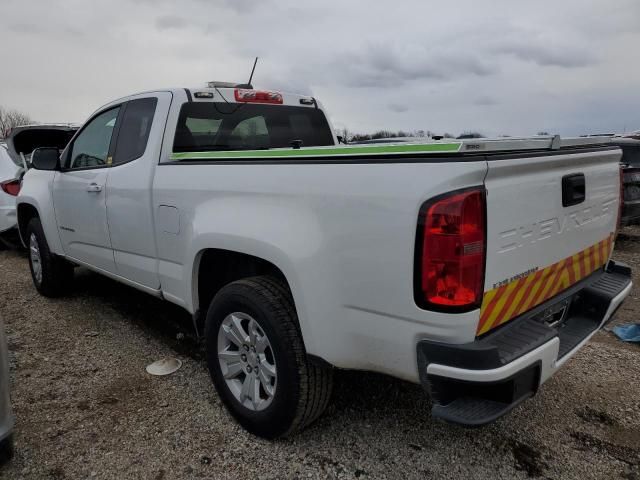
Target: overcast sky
[(501, 67)]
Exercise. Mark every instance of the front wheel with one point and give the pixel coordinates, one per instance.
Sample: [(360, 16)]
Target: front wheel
[(257, 360), (51, 274)]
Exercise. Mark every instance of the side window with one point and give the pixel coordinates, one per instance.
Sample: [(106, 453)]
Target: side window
[(91, 146), (134, 130), (250, 133)]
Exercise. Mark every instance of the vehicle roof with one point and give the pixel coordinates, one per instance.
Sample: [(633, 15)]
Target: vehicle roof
[(622, 141), (225, 94), (45, 126)]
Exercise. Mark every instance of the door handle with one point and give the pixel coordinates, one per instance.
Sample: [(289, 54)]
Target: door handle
[(94, 187)]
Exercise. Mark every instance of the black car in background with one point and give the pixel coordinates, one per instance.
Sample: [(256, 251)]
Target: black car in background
[(631, 179)]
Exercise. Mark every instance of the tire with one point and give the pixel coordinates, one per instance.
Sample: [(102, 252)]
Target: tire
[(10, 240), (56, 274), (300, 390)]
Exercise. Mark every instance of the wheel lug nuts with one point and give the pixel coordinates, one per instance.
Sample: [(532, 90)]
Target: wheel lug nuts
[(243, 357), (246, 347), (248, 369)]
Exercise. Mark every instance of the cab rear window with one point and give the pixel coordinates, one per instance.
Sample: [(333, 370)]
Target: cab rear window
[(211, 126)]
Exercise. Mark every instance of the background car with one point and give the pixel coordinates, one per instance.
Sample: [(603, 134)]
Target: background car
[(631, 179), (15, 158), (6, 416), (10, 173)]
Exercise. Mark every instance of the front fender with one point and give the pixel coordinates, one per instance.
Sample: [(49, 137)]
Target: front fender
[(36, 191)]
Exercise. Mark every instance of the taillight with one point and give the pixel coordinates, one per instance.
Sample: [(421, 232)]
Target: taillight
[(450, 252), (12, 187), (257, 96)]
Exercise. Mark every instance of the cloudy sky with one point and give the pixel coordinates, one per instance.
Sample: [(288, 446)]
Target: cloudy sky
[(500, 67)]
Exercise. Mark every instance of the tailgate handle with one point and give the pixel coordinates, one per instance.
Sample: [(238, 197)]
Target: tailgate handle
[(573, 189)]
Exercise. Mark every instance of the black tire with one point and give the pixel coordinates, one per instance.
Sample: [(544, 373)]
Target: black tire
[(57, 274), (6, 449), (10, 240), (303, 390)]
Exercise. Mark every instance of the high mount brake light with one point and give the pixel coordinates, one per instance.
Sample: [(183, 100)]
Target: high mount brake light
[(450, 252), (12, 187), (258, 96)]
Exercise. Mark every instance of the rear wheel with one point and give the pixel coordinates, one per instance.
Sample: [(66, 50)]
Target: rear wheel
[(51, 274), (257, 359)]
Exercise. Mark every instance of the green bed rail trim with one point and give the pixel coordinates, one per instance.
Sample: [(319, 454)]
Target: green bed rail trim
[(322, 152)]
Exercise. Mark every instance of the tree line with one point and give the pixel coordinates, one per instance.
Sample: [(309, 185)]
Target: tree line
[(10, 119), (351, 137)]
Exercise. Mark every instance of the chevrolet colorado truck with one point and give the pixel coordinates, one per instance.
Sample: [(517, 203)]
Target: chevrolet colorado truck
[(476, 268)]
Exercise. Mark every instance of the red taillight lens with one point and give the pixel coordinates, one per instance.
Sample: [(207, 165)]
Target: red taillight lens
[(451, 260), (11, 187), (257, 96)]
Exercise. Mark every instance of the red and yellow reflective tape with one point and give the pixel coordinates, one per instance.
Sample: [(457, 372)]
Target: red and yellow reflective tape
[(508, 301)]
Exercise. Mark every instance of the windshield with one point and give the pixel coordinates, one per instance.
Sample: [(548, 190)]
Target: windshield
[(230, 126)]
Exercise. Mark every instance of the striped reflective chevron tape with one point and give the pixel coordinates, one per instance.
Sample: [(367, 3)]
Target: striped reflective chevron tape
[(508, 301)]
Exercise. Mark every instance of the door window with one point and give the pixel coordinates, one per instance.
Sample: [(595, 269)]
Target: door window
[(134, 130), (90, 149)]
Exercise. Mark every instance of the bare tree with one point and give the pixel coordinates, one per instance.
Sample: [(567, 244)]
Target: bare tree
[(10, 119)]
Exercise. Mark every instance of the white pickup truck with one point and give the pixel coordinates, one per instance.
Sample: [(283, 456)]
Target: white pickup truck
[(476, 268)]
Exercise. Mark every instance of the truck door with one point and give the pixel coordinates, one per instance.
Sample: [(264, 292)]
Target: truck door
[(129, 187), (79, 195)]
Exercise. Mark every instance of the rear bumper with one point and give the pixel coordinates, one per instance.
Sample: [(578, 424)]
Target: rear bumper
[(475, 383), (8, 218)]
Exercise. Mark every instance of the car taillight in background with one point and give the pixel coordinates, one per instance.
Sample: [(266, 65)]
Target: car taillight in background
[(450, 251), (12, 187), (258, 96)]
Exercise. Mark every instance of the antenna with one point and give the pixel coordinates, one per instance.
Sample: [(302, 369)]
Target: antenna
[(253, 70), (248, 84)]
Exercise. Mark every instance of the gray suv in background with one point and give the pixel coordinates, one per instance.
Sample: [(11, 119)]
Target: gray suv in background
[(630, 163)]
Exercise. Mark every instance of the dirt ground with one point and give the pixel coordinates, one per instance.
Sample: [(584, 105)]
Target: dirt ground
[(86, 408)]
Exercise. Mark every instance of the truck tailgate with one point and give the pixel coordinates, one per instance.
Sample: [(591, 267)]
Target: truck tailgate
[(551, 221)]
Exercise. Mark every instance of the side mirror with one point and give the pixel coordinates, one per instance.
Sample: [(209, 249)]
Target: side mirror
[(46, 158)]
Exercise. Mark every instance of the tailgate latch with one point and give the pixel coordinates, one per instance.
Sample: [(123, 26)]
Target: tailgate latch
[(573, 189)]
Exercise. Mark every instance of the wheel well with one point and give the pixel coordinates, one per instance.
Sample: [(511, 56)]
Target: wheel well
[(218, 268), (25, 213)]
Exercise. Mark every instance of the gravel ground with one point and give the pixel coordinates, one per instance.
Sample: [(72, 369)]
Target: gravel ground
[(86, 408)]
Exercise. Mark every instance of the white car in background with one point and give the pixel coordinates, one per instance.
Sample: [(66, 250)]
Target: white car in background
[(9, 188), (15, 159)]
